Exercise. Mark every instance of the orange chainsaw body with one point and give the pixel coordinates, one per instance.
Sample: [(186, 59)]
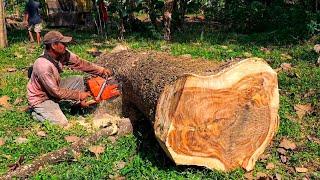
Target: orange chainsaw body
[(95, 85)]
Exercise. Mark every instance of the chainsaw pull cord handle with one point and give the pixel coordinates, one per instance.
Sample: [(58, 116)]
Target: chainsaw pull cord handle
[(102, 89)]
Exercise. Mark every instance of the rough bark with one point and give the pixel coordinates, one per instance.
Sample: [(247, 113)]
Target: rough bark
[(167, 18), (67, 152), (218, 115), (3, 30)]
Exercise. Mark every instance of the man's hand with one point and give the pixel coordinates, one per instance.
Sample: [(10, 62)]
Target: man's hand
[(107, 73), (25, 23), (84, 103), (84, 95)]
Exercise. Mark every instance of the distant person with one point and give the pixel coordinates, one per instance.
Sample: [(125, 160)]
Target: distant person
[(32, 20)]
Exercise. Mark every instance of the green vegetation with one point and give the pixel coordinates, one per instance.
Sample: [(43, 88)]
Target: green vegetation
[(139, 156)]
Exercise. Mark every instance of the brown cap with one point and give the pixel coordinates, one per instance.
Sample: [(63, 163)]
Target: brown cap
[(55, 36)]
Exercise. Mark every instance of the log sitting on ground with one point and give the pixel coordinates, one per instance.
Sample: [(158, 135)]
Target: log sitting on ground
[(218, 115)]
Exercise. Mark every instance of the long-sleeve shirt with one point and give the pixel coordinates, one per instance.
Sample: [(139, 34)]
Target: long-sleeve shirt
[(45, 79)]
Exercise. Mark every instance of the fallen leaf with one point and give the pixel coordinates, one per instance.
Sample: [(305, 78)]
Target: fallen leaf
[(17, 55), (41, 134), (2, 141), (286, 144), (224, 47), (249, 175), (113, 139), (94, 52), (278, 176), (72, 139), (261, 175), (264, 156), (97, 44), (119, 165), (4, 102), (285, 56), (313, 139), (23, 108), (302, 109), (119, 48), (11, 69), (283, 159), (310, 93), (301, 169), (84, 124), (266, 50), (7, 156), (286, 67), (186, 56), (270, 166), (21, 140), (282, 151), (76, 155), (17, 101), (96, 150), (70, 125), (247, 54)]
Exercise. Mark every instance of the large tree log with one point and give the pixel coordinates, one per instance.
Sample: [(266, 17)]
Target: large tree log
[(220, 116)]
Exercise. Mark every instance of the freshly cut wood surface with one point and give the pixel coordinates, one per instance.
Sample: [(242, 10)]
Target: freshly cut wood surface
[(221, 116)]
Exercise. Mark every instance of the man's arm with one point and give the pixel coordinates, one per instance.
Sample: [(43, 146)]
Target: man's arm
[(50, 85), (26, 16), (77, 63)]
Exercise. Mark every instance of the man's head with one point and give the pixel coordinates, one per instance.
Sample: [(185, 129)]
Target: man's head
[(56, 42)]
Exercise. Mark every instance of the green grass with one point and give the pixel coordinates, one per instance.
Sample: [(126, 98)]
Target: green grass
[(143, 157)]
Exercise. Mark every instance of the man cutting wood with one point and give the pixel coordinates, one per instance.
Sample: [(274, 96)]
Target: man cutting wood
[(46, 88)]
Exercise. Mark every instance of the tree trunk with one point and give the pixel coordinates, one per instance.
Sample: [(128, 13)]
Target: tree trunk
[(220, 116), (152, 12), (3, 30), (167, 18)]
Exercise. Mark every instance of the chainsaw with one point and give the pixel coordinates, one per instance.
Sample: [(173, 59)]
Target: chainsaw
[(103, 89)]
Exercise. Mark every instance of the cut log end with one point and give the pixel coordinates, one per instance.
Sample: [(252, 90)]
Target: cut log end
[(221, 121)]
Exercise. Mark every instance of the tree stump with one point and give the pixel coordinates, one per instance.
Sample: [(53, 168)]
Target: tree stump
[(218, 115)]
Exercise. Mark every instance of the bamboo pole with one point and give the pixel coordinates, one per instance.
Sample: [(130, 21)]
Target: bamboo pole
[(3, 31)]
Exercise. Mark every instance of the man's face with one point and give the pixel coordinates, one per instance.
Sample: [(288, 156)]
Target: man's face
[(59, 48)]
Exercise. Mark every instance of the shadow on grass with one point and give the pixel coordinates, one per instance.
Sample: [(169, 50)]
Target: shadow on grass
[(149, 149)]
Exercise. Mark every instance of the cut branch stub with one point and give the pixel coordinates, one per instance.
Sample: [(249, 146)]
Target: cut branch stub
[(221, 116)]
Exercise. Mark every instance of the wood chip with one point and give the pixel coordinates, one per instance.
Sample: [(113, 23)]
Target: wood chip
[(278, 176), (72, 139), (283, 159), (286, 144), (301, 169), (270, 166), (282, 151), (302, 109)]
